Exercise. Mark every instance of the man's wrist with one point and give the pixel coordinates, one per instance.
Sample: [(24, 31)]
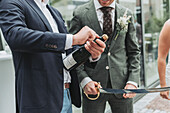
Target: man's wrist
[(75, 42), (69, 41), (132, 83), (94, 60), (85, 81)]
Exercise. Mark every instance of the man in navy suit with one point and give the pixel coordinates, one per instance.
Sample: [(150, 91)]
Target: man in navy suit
[(39, 41)]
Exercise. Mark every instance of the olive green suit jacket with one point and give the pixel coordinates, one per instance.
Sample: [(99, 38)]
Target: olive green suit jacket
[(121, 60)]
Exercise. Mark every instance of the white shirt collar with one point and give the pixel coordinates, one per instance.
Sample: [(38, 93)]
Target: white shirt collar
[(97, 4)]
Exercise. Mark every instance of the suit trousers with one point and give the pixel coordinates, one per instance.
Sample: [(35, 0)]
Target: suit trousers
[(117, 105)]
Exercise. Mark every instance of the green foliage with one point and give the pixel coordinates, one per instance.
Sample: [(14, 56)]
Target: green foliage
[(155, 24), (54, 1)]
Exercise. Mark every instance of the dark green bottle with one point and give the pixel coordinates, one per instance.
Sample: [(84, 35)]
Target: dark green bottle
[(79, 56)]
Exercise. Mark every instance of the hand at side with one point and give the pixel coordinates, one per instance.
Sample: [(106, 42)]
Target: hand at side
[(129, 86), (90, 88)]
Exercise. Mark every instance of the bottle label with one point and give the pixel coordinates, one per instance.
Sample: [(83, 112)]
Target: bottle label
[(69, 61)]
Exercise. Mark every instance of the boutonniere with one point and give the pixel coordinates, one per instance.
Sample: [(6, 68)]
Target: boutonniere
[(122, 23)]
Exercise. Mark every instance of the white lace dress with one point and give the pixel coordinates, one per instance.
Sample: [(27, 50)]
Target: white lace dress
[(168, 71)]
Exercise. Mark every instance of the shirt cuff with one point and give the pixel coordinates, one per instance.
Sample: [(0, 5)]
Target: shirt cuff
[(133, 83), (85, 81), (91, 60), (69, 41)]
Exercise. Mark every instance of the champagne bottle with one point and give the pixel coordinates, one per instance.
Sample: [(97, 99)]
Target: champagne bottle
[(79, 56)]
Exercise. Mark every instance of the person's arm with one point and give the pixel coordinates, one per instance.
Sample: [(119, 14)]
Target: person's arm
[(163, 50), (20, 37), (23, 39), (133, 55), (133, 52)]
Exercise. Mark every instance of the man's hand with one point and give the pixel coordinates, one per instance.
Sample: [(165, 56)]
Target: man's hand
[(129, 86), (90, 88), (85, 34), (165, 94), (95, 48)]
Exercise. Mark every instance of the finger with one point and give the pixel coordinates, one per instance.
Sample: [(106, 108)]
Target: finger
[(94, 91), (162, 95), (95, 47), (96, 35), (99, 47), (101, 43), (166, 96), (99, 86), (128, 95), (96, 84), (87, 47), (87, 91), (92, 35), (92, 50), (132, 95), (124, 95)]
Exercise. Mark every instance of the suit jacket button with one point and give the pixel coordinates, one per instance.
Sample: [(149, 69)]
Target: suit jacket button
[(107, 67), (55, 46), (109, 54)]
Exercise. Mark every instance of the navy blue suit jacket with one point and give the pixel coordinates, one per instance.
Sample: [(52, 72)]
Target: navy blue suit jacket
[(37, 56)]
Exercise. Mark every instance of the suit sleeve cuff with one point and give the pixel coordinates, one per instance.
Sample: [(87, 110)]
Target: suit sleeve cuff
[(85, 81), (69, 41), (91, 60), (133, 83)]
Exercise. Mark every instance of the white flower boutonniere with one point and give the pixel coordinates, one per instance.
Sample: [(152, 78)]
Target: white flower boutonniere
[(122, 23)]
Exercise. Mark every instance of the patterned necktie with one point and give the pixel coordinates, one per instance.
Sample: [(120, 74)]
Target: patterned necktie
[(107, 21)]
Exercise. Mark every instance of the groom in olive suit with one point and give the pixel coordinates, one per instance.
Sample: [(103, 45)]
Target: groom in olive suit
[(119, 65)]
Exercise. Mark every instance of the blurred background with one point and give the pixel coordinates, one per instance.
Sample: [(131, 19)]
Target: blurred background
[(150, 16)]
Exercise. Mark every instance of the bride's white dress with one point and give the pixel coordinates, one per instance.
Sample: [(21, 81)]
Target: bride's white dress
[(168, 71)]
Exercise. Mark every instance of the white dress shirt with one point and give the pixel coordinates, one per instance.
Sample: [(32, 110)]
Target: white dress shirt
[(53, 24), (100, 19)]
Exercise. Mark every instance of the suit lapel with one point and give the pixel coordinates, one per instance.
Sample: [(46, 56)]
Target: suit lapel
[(118, 14), (92, 18), (59, 21), (40, 13)]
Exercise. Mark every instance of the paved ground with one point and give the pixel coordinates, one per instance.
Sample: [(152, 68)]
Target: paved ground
[(150, 103)]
